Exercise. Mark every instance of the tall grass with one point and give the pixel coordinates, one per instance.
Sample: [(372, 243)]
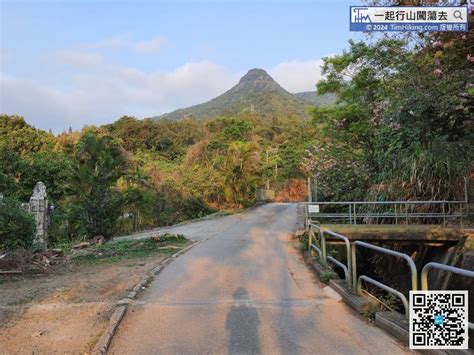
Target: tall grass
[(435, 172)]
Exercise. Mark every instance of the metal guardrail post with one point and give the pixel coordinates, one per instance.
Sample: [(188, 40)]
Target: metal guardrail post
[(411, 264), (414, 280), (323, 245), (347, 275), (348, 268), (386, 288), (354, 265), (312, 246), (444, 214), (396, 215), (323, 253), (406, 213), (355, 215), (306, 217), (453, 269)]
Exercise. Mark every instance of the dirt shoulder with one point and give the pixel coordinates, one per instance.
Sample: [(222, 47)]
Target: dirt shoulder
[(67, 308)]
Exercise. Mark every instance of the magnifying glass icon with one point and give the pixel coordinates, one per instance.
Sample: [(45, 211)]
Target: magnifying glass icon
[(457, 14)]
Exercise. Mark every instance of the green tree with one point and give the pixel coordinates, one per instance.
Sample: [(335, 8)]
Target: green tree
[(50, 168), (225, 130), (241, 172), (93, 201), (11, 169), (21, 137), (17, 227), (405, 110)]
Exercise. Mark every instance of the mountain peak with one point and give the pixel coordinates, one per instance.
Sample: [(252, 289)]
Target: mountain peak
[(255, 92), (256, 73), (257, 80)]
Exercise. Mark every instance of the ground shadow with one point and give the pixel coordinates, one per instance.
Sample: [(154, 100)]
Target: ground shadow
[(242, 323)]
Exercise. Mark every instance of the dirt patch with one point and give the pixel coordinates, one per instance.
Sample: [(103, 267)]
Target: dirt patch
[(67, 308)]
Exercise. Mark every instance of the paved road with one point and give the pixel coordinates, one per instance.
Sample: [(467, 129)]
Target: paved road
[(245, 290)]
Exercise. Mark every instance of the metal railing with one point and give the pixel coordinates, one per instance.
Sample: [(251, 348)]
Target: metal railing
[(350, 271), (395, 211), (383, 287), (322, 249), (411, 264), (347, 269), (455, 270), (311, 235)]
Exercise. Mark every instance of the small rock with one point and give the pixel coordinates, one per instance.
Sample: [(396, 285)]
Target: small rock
[(100, 239), (57, 252), (38, 334)]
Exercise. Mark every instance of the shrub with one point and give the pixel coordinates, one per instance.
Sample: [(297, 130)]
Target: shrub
[(17, 227), (327, 276), (195, 207), (295, 190)]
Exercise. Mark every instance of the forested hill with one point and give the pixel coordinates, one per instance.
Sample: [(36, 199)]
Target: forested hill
[(256, 92), (312, 98), (401, 130)]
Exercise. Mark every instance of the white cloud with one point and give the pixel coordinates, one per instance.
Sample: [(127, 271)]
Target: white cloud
[(154, 45), (100, 92), (111, 42), (296, 75), (125, 42), (44, 107), (76, 58), (106, 92)]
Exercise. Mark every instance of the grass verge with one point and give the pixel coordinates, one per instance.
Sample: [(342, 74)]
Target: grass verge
[(130, 249)]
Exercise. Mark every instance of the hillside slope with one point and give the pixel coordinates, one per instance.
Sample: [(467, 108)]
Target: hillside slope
[(256, 92), (313, 99)]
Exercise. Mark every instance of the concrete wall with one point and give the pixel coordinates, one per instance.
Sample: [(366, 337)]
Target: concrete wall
[(264, 195)]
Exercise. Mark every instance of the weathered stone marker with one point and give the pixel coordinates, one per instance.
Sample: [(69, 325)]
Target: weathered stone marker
[(38, 206)]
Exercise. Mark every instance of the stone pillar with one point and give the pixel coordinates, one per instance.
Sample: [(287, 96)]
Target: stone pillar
[(38, 206)]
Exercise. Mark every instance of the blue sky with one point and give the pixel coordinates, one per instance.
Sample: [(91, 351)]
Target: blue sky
[(68, 63)]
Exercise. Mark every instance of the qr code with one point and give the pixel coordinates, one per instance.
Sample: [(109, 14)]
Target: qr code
[(438, 320)]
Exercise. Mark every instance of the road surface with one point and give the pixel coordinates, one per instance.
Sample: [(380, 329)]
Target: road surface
[(245, 290)]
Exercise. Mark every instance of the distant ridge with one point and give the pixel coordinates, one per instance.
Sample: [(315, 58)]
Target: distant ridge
[(312, 98), (255, 92)]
